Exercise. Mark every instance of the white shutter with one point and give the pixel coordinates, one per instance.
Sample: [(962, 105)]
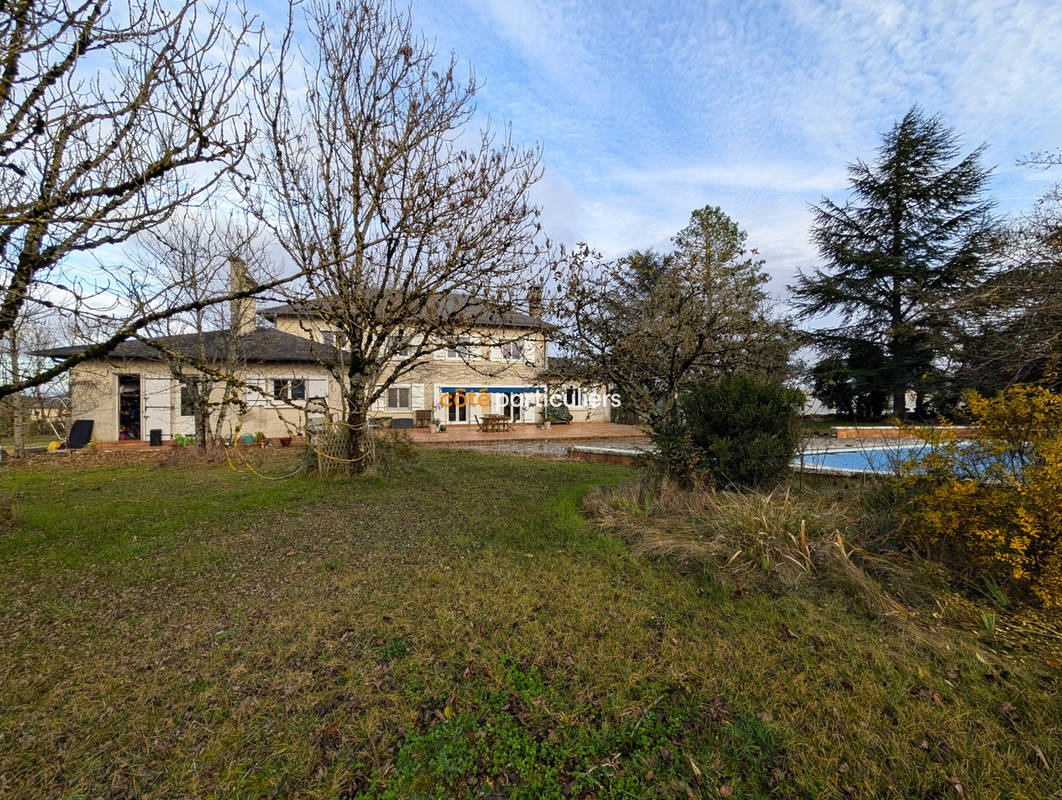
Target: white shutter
[(529, 351), (380, 404), (317, 387), (494, 353), (416, 395), (256, 390), (158, 406)]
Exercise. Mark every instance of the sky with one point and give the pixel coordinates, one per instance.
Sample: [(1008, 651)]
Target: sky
[(646, 111)]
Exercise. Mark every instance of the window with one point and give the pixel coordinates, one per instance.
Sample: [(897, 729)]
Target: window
[(513, 351), (188, 391), (289, 388), (573, 397), (462, 351), (398, 397), (333, 338), (398, 345)]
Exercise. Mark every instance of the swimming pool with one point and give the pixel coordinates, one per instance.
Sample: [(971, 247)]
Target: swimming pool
[(881, 460)]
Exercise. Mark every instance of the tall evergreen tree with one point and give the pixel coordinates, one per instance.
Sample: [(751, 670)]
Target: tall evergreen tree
[(914, 232)]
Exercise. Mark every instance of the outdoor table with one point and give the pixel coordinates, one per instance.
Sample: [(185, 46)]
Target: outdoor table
[(495, 422)]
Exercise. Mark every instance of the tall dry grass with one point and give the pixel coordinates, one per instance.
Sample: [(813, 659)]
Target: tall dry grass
[(776, 540)]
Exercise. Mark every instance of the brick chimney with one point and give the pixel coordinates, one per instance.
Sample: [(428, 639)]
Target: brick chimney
[(534, 301), (242, 310)]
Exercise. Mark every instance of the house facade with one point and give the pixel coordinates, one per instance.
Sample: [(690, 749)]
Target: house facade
[(279, 383)]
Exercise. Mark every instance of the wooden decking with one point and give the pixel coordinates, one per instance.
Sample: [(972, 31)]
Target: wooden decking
[(528, 432)]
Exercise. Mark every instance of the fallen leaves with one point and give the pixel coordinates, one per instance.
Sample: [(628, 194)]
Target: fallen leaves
[(925, 693), (1041, 757)]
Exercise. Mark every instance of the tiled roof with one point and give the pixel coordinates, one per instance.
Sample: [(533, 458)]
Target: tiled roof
[(475, 309), (264, 345)]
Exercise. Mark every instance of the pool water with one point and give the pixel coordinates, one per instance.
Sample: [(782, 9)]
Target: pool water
[(882, 460)]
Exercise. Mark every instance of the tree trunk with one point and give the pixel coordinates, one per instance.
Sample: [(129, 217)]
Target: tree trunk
[(202, 422), (18, 422), (899, 403), (357, 431), (920, 405), (896, 343), (357, 412), (227, 400)]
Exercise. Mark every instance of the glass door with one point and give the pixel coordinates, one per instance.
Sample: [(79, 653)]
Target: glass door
[(457, 411), (513, 405)]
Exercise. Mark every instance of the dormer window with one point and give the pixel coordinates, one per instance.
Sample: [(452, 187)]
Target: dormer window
[(399, 345), (333, 338)]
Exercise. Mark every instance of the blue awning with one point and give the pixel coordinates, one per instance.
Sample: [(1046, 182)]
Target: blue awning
[(492, 389)]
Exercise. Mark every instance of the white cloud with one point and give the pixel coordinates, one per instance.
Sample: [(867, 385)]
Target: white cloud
[(647, 111)]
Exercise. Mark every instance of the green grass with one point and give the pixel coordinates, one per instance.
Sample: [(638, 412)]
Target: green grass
[(824, 426), (456, 631), (32, 440)]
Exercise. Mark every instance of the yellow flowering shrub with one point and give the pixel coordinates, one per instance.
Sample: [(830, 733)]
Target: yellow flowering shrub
[(993, 506)]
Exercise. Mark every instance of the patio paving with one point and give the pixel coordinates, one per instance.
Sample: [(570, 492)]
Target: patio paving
[(528, 433)]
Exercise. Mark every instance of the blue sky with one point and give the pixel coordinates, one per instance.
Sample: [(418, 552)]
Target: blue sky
[(646, 111)]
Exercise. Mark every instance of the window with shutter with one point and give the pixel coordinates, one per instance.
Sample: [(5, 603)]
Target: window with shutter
[(255, 391), (333, 338), (317, 388), (398, 397), (513, 351)]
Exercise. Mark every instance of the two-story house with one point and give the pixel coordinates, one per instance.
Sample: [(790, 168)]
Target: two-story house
[(281, 380)]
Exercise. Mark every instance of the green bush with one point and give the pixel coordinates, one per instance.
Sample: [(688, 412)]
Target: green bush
[(733, 431)]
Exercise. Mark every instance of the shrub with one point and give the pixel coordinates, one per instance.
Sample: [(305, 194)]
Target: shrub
[(992, 508), (735, 431)]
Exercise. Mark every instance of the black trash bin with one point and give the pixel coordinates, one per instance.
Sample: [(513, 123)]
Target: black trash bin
[(156, 437)]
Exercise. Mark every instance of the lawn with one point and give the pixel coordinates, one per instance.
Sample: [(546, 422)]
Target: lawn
[(191, 630)]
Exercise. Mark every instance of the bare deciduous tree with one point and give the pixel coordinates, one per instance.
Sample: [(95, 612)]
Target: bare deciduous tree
[(32, 332), (412, 231), (189, 261), (648, 323), (110, 119), (1008, 329)]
